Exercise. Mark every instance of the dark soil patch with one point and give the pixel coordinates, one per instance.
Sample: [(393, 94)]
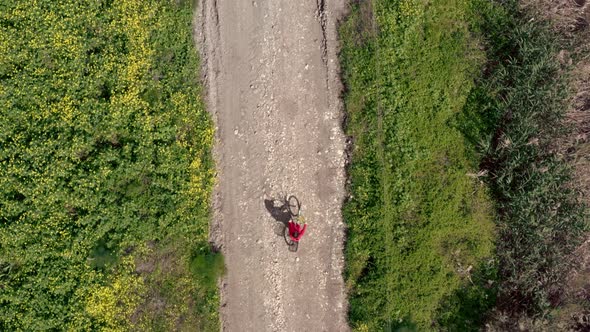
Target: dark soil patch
[(579, 3), (580, 24)]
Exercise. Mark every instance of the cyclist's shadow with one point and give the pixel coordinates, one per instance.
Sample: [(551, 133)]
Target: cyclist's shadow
[(279, 210)]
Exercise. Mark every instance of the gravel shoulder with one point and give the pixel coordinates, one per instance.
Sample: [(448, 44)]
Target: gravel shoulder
[(273, 88)]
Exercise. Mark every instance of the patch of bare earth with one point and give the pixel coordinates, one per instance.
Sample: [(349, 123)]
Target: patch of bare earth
[(170, 300), (570, 19)]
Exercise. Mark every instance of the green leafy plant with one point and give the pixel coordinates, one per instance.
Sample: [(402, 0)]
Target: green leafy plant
[(208, 267)]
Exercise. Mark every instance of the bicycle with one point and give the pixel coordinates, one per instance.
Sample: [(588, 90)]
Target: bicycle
[(294, 207)]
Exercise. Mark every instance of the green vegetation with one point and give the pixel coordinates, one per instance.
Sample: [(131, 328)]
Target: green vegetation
[(105, 169), (540, 220), (420, 227), (446, 99)]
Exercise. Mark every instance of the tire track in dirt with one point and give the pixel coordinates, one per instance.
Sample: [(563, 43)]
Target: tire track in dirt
[(273, 88)]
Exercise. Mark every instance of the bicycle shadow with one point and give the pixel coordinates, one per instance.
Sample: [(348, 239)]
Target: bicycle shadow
[(280, 212)]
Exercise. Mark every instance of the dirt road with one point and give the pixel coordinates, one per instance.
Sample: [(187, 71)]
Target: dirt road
[(271, 72)]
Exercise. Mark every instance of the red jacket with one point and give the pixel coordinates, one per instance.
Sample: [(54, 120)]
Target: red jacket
[(295, 227)]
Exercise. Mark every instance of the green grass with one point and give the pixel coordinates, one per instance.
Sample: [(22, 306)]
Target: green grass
[(419, 226), (105, 168), (437, 91)]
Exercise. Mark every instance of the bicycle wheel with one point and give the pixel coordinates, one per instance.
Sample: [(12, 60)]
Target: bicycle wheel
[(293, 205), (293, 245), (288, 239)]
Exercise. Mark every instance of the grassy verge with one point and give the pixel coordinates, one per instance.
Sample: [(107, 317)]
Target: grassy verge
[(437, 92), (105, 169), (420, 227)]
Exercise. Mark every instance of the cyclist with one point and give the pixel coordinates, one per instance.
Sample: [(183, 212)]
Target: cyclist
[(296, 231)]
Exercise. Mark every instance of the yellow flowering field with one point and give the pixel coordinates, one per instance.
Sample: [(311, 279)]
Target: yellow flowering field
[(105, 168)]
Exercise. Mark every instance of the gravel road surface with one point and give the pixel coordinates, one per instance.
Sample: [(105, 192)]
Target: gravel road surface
[(271, 71)]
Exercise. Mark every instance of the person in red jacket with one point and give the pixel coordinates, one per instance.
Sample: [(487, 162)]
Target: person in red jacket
[(296, 231)]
